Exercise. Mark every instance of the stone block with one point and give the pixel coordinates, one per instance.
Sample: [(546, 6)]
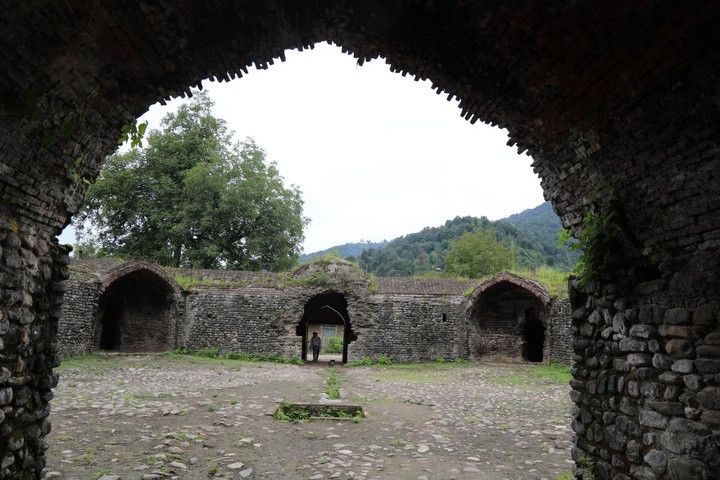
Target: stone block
[(615, 439), (709, 398), (628, 344), (684, 436), (670, 378), (707, 351), (712, 338), (676, 331), (641, 330), (639, 359), (667, 408), (679, 348), (683, 366), (657, 460), (686, 468), (677, 316), (704, 316), (662, 361), (694, 382), (707, 365)]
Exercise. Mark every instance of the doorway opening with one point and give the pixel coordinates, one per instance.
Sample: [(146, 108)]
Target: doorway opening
[(327, 315), (534, 336)]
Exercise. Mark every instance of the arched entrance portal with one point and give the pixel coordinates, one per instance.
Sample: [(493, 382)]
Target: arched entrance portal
[(507, 315), (136, 314), (327, 315)]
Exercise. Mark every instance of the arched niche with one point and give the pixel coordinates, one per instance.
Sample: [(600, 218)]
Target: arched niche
[(508, 315), (326, 309), (137, 310)]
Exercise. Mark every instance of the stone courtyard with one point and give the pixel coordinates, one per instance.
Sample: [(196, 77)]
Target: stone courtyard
[(168, 416)]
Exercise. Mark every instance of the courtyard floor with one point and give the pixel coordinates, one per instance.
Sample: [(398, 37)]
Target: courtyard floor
[(183, 417)]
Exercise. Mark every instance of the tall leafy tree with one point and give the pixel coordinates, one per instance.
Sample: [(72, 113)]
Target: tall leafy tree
[(193, 198), (478, 254)]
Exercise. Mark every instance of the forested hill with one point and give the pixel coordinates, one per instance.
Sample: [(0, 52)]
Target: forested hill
[(348, 250), (531, 233)]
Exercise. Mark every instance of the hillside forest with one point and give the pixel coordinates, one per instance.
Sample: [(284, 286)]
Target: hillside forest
[(531, 236)]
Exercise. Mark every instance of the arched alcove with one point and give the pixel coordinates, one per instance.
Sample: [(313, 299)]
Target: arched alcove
[(137, 313), (507, 319), (326, 309)]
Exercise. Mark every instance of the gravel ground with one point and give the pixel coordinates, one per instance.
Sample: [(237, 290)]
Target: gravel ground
[(167, 416)]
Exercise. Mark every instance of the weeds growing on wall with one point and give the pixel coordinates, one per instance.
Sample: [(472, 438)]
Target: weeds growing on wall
[(187, 282), (596, 235)]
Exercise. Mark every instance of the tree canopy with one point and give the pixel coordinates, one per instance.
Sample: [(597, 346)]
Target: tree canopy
[(194, 198), (477, 254)]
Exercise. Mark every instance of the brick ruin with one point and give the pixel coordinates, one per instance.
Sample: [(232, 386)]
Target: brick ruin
[(616, 101), (404, 319)]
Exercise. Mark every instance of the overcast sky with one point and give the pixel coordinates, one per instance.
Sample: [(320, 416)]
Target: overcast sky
[(376, 155)]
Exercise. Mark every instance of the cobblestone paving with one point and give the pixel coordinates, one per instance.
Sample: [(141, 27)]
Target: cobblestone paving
[(156, 417)]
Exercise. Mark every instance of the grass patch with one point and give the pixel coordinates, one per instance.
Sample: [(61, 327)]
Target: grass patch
[(291, 412), (215, 355), (333, 384), (525, 377)]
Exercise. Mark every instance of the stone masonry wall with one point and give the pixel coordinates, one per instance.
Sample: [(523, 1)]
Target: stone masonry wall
[(412, 328), (77, 330), (647, 374), (32, 269), (559, 331), (230, 320)]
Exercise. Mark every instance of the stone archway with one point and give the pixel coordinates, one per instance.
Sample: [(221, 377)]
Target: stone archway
[(507, 317), (137, 312), (616, 102), (326, 309)]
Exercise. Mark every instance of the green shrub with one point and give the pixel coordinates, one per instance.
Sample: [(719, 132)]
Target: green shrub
[(383, 360), (211, 352), (335, 345)]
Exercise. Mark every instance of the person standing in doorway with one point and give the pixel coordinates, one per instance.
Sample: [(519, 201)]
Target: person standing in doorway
[(315, 343)]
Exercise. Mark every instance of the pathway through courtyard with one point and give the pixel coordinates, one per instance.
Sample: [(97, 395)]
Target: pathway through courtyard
[(169, 416)]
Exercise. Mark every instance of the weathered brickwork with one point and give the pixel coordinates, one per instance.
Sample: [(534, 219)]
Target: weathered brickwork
[(618, 97), (406, 320)]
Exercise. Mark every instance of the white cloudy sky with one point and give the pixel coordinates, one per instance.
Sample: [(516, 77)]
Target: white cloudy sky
[(376, 155)]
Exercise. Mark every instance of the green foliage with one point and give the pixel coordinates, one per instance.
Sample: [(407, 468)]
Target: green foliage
[(193, 198), (335, 345), (530, 234), (383, 360), (348, 250), (556, 280), (479, 253), (187, 282), (586, 467), (333, 384), (596, 237), (213, 353), (368, 362)]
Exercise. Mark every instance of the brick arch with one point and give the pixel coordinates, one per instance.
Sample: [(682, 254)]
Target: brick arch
[(120, 271), (618, 96), (534, 288), (137, 309)]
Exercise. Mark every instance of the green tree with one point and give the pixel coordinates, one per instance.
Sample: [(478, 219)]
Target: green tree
[(478, 254), (193, 198)]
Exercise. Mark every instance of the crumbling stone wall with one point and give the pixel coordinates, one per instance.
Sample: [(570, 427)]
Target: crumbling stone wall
[(618, 94)]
